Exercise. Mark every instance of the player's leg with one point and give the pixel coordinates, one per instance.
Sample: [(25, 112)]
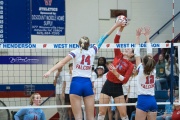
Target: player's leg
[(140, 115), (104, 99), (76, 106), (121, 109), (151, 115), (89, 107)]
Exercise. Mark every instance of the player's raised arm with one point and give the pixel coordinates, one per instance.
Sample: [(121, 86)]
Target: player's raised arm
[(137, 48), (103, 38), (147, 31), (60, 64)]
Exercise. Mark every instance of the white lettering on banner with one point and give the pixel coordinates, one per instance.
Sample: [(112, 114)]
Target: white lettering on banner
[(1, 11), (1, 40), (1, 2), (44, 17), (48, 9), (19, 46), (83, 67), (22, 60)]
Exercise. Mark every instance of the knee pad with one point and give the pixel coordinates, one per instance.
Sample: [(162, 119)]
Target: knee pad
[(101, 117), (125, 118)]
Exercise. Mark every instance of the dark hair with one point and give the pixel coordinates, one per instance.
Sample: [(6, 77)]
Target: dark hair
[(132, 58), (92, 67), (149, 64), (84, 43), (70, 64), (104, 59)]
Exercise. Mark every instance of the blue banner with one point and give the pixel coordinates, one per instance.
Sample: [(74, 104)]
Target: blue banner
[(48, 17), (15, 22), (26, 60)]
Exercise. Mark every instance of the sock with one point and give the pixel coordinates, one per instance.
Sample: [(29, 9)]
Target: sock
[(101, 117), (125, 118)]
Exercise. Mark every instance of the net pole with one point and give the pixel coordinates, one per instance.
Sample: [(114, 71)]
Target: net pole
[(172, 57)]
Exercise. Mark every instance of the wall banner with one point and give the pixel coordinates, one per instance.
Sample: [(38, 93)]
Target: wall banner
[(26, 60), (48, 17)]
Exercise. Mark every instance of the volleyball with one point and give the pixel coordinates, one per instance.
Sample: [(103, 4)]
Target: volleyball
[(122, 19)]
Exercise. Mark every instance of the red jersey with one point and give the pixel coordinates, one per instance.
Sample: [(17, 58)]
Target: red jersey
[(124, 66), (176, 115)]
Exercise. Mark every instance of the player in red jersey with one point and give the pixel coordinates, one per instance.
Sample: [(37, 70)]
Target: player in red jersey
[(119, 72)]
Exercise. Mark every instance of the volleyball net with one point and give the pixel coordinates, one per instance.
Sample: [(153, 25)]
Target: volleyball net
[(23, 65)]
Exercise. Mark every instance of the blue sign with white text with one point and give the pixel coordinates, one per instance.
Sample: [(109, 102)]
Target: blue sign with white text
[(25, 60), (48, 17)]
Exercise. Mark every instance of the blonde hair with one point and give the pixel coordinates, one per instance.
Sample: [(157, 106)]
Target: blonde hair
[(84, 43), (32, 98)]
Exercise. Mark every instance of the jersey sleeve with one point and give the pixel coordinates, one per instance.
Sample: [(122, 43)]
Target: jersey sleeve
[(94, 49), (19, 114), (117, 51), (73, 53), (128, 73)]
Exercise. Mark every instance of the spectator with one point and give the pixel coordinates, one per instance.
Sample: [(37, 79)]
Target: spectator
[(132, 92), (176, 111), (161, 73), (60, 88), (168, 110), (166, 51), (102, 62), (176, 51), (98, 84), (31, 113), (67, 83), (175, 72), (93, 76)]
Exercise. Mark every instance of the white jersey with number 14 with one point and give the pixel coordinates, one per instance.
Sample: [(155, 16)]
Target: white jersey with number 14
[(82, 61)]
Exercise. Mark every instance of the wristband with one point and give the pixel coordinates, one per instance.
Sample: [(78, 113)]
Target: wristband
[(121, 78), (118, 33), (149, 48), (137, 51)]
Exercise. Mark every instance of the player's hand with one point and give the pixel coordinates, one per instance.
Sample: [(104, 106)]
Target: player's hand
[(111, 67), (120, 24), (139, 31), (47, 74), (147, 30)]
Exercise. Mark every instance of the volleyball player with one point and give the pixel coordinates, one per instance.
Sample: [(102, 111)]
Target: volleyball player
[(81, 85), (119, 72), (146, 104), (31, 113)]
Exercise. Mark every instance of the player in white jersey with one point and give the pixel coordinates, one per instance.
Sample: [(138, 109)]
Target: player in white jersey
[(146, 104), (81, 85)]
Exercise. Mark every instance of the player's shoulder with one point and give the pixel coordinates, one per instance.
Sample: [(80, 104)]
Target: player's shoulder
[(76, 50)]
